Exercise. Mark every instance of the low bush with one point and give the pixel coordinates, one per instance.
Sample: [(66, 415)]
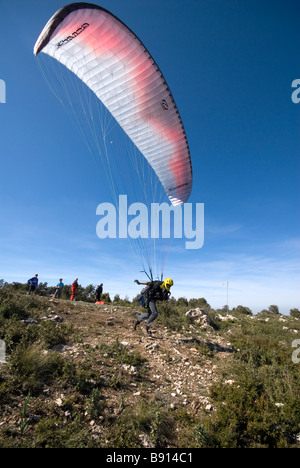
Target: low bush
[(33, 368)]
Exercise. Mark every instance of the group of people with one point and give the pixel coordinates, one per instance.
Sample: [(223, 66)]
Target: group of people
[(34, 282), (153, 291)]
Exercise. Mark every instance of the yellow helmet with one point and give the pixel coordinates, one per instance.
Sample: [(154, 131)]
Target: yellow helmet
[(168, 283)]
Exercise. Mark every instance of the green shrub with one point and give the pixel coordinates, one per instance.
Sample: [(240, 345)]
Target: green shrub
[(96, 404), (33, 368), (52, 334), (12, 332), (123, 355), (241, 310), (172, 317), (295, 313), (150, 418), (13, 308), (260, 409), (51, 433), (260, 406)]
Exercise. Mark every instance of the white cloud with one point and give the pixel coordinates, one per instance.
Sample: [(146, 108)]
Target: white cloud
[(254, 281), (222, 229)]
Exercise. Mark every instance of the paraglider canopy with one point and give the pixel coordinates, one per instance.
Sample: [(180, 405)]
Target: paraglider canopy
[(109, 58)]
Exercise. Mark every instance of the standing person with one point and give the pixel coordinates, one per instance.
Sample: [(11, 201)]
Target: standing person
[(59, 288), (33, 284), (153, 292), (74, 290), (99, 292)]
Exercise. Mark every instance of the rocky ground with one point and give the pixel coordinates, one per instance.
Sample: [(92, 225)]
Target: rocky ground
[(105, 375), (181, 365), (174, 368)]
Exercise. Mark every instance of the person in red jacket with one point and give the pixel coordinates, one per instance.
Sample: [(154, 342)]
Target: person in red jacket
[(74, 289)]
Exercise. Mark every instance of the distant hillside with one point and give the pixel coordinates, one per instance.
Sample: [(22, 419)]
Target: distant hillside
[(78, 375)]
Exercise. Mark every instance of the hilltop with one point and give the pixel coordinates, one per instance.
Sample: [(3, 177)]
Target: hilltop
[(78, 375)]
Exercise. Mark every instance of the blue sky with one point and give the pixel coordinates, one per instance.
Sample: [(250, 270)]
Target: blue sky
[(230, 65)]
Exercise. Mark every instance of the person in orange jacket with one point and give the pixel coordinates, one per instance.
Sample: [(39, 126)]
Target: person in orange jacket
[(74, 290)]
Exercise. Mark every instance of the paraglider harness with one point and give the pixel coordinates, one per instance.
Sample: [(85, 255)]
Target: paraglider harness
[(153, 292)]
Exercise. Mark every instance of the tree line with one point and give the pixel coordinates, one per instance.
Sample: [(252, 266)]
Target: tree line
[(87, 294)]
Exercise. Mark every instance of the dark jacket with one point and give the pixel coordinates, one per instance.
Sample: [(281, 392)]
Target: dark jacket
[(33, 281), (154, 292)]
